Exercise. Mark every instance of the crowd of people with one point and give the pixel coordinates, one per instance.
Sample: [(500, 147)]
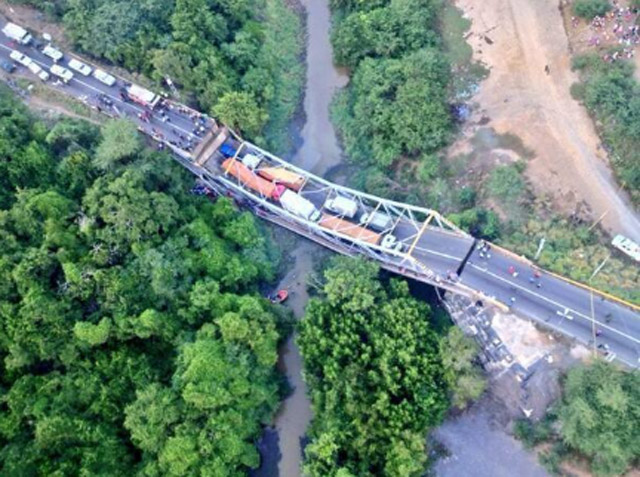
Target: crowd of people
[(617, 28)]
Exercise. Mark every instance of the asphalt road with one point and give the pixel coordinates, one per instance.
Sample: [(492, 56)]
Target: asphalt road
[(550, 301)]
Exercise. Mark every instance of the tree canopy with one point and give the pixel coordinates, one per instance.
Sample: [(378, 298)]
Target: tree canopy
[(132, 336), (396, 104), (599, 415), (221, 52), (375, 375)]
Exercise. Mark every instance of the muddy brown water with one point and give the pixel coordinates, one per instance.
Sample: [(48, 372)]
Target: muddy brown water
[(281, 447)]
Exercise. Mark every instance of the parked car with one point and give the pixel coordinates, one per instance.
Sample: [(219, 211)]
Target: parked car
[(20, 58), (51, 52), (104, 77), (80, 67), (8, 66)]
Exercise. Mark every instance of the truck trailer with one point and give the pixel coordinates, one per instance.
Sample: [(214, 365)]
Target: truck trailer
[(282, 176), (251, 180), (331, 222), (336, 224), (17, 33)]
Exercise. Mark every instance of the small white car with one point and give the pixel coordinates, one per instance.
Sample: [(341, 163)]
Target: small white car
[(19, 58), (80, 67), (51, 52), (39, 72), (104, 77), (62, 73)]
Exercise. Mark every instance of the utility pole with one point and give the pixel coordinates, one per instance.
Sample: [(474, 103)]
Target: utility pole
[(599, 220), (599, 267), (540, 247)]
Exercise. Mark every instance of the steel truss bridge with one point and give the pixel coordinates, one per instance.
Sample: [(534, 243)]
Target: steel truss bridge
[(433, 250)]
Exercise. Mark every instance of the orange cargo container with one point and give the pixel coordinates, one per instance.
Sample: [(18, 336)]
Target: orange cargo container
[(282, 176), (251, 180), (345, 227)]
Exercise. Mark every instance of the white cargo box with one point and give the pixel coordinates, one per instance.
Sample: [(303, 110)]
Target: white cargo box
[(17, 33), (298, 205), (34, 68), (51, 52), (627, 246), (251, 161), (80, 67), (142, 95), (377, 221), (342, 205), (104, 77)]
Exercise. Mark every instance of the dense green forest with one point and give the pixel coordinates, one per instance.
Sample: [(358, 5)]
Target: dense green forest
[(612, 95), (379, 375), (597, 418), (396, 105), (132, 336), (239, 58)]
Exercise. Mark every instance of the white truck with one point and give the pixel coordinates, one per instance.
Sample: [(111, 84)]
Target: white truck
[(51, 52), (378, 221), (142, 96), (80, 67), (342, 206), (298, 205), (61, 72), (17, 33), (39, 72)]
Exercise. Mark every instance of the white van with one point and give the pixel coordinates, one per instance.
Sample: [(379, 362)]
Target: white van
[(51, 52), (104, 77), (80, 67)]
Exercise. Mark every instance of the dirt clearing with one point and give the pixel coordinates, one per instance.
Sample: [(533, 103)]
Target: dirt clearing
[(524, 44)]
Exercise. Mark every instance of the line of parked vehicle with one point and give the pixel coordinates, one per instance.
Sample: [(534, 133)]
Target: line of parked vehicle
[(283, 186), (21, 36)]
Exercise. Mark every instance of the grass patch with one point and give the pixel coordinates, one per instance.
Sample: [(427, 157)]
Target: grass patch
[(453, 30)]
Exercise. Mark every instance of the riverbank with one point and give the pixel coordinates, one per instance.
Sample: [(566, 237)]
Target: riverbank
[(318, 151)]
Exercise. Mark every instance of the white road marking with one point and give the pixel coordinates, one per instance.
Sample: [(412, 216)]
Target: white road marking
[(559, 305), (75, 78)]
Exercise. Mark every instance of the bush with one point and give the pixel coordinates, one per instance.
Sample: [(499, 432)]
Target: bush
[(591, 8)]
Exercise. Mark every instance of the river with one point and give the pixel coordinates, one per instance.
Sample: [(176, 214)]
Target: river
[(281, 447)]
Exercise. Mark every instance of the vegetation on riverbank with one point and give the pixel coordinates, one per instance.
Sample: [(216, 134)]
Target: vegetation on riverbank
[(379, 375), (597, 418), (612, 95), (131, 330), (240, 60)]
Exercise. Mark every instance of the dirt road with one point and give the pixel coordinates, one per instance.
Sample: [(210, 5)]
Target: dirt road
[(517, 39)]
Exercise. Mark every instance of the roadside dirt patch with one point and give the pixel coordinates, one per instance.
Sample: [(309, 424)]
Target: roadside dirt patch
[(522, 339), (32, 18), (517, 40)]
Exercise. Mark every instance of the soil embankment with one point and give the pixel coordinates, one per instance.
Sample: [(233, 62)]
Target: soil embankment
[(517, 40)]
